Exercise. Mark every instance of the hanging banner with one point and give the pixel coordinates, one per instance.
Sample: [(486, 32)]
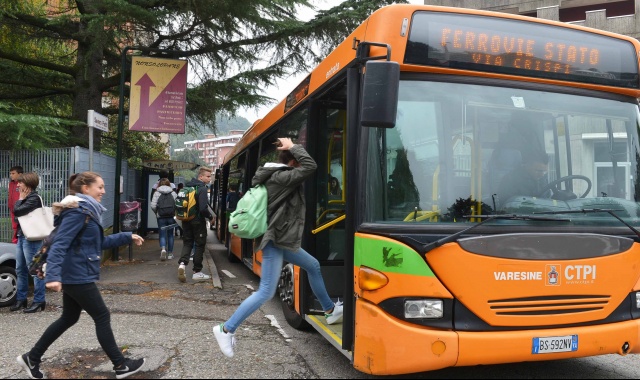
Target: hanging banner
[(169, 165), (158, 95)]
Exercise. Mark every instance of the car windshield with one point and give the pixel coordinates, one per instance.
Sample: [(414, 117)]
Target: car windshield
[(466, 149)]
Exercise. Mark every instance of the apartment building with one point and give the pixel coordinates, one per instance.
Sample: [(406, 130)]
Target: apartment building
[(212, 148), (621, 16)]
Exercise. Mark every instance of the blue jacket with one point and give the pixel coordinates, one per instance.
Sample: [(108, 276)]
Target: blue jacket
[(77, 261)]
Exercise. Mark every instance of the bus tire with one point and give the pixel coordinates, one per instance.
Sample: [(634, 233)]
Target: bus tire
[(286, 293)]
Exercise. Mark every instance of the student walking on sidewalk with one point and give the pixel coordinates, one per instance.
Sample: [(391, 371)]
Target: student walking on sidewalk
[(281, 242), (195, 230), (73, 266), (163, 204)]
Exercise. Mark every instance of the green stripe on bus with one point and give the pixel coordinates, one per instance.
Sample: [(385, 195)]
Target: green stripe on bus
[(389, 256)]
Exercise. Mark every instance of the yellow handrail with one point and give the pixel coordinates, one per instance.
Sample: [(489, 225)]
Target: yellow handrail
[(329, 224)]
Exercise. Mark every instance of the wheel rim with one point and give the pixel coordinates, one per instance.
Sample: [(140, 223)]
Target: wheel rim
[(8, 286), (285, 285)]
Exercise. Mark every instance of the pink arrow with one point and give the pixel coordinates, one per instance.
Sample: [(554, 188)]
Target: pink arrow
[(145, 84)]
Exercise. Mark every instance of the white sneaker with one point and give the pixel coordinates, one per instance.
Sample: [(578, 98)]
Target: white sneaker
[(163, 255), (336, 314), (169, 256), (181, 275), (199, 276), (226, 341)]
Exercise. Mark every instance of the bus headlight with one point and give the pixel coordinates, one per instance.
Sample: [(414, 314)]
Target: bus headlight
[(637, 300), (423, 309)]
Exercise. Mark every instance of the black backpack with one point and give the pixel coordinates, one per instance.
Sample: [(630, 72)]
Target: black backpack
[(166, 206)]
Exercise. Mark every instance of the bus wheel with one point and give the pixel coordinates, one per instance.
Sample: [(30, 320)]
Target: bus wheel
[(286, 290)]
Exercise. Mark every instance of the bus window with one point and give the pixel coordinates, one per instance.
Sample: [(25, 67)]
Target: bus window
[(483, 157)]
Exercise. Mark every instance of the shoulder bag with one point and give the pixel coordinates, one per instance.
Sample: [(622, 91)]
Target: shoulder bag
[(37, 224)]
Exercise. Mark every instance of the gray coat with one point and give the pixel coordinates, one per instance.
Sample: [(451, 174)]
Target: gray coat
[(286, 208)]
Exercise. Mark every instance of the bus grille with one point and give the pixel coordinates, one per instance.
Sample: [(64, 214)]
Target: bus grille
[(550, 305)]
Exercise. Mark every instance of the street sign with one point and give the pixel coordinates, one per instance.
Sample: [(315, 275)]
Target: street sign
[(98, 121), (158, 95)]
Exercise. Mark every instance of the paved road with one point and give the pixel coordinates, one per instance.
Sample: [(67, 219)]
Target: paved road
[(169, 323)]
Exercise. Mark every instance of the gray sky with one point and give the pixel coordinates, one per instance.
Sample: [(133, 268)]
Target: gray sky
[(285, 86)]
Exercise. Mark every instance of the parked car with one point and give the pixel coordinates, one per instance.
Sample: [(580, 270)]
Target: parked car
[(8, 279)]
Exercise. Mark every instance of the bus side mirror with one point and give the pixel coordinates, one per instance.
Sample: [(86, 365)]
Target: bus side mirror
[(380, 94)]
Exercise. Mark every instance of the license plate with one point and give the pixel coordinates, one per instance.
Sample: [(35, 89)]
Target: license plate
[(551, 344)]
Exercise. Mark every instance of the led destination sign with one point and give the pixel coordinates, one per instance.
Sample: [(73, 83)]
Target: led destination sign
[(516, 47)]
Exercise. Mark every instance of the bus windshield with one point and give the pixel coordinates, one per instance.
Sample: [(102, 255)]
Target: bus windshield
[(467, 149)]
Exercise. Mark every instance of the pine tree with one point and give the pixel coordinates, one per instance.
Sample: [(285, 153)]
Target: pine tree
[(59, 58)]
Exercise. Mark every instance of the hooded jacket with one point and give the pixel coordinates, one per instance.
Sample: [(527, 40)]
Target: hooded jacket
[(74, 259), (156, 195), (25, 206), (286, 207)]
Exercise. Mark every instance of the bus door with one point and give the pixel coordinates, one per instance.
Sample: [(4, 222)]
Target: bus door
[(328, 230), (236, 181)]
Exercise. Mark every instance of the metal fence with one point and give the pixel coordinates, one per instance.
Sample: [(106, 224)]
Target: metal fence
[(54, 166)]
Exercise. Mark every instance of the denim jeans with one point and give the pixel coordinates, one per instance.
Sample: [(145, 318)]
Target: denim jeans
[(76, 298), (272, 259), (25, 250), (166, 235)]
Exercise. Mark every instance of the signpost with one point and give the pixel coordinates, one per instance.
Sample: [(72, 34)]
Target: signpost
[(123, 74), (95, 120)]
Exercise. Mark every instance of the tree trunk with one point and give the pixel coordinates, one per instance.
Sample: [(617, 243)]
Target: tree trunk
[(88, 84)]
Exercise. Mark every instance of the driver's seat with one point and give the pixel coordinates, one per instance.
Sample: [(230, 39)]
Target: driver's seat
[(502, 161)]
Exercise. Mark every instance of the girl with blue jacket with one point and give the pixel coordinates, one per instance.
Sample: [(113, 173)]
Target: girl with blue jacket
[(73, 266)]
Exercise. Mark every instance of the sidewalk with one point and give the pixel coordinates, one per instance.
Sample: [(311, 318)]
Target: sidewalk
[(163, 272)]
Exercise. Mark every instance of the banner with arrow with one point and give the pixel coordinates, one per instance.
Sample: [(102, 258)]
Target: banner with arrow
[(158, 95)]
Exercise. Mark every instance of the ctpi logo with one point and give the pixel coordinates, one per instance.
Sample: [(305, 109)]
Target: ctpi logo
[(553, 274)]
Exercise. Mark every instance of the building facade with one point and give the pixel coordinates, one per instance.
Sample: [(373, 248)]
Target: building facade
[(212, 148), (621, 17)]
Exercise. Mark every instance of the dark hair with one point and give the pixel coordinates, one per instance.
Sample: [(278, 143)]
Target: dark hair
[(285, 156), (164, 173), (30, 179), (17, 168), (76, 181), (180, 185)]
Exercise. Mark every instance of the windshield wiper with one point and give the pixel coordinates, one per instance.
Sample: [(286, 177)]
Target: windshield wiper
[(591, 211), (447, 239)]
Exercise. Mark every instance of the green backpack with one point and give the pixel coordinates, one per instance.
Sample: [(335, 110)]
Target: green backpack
[(187, 203), (249, 220)]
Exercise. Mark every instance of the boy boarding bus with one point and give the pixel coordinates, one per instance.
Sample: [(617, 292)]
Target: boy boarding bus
[(489, 210)]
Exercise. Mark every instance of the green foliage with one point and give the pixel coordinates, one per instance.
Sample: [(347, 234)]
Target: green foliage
[(188, 155), (59, 58), (25, 131), (136, 146)]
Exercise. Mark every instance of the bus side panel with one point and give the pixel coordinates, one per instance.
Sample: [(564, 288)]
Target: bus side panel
[(257, 259), (236, 245), (386, 346)]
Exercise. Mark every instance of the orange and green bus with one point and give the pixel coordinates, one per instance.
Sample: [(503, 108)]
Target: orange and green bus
[(487, 211)]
